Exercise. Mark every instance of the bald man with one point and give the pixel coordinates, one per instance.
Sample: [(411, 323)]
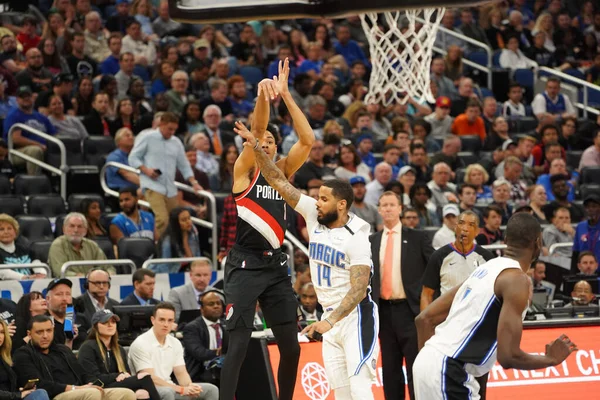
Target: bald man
[(582, 295), (35, 75), (375, 188)]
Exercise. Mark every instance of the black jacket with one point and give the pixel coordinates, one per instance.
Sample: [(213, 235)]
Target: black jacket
[(416, 252), (90, 359), (29, 364), (12, 391), (195, 343), (83, 304), (131, 300), (93, 124)]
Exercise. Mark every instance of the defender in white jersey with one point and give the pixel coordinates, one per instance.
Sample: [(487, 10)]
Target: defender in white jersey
[(481, 321), (341, 269)]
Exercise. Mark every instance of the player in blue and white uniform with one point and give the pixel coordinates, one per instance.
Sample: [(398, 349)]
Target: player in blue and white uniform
[(341, 269), (481, 321)]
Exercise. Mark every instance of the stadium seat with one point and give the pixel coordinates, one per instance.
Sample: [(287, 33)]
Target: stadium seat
[(12, 205), (28, 185), (49, 205), (526, 124), (58, 225), (590, 175), (575, 73), (252, 75), (468, 158), (496, 58), (35, 227), (573, 158), (5, 186), (588, 189), (40, 249), (524, 77), (96, 148), (470, 143), (75, 200), (136, 249), (478, 57), (107, 247), (74, 153)]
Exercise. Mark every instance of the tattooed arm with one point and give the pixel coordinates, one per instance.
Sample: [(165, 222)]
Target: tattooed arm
[(359, 280)]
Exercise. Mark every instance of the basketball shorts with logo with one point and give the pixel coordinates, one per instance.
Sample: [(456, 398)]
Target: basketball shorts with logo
[(438, 377), (251, 276), (352, 345)]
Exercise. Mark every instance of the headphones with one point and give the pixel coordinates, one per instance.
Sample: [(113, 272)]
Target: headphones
[(86, 284), (219, 295)]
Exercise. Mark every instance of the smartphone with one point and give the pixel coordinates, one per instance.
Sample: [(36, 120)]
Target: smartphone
[(30, 384), (69, 326), (158, 171)]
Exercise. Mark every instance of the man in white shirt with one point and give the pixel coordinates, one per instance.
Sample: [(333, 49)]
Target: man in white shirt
[(591, 155), (553, 104), (446, 234), (375, 188), (144, 51), (513, 108), (159, 354), (440, 119)]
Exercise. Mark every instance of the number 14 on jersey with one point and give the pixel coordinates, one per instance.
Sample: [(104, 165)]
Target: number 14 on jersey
[(323, 275)]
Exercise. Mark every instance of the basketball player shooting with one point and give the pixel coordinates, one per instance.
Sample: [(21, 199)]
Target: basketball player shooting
[(481, 321), (340, 266), (256, 268)]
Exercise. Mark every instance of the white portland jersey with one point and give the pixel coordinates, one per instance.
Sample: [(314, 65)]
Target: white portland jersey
[(332, 252), (469, 334)]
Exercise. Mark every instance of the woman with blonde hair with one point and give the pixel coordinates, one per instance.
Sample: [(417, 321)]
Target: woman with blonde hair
[(537, 199), (544, 23), (332, 127), (477, 176), (14, 252), (102, 356), (8, 379), (455, 69)]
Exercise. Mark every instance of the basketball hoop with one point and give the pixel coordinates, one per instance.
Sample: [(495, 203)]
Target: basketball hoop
[(401, 55)]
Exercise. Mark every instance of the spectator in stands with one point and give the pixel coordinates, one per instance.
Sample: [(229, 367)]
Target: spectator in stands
[(549, 134), (35, 75), (552, 103), (513, 58), (58, 296), (347, 47), (118, 21), (163, 25), (247, 51), (465, 94), (24, 141), (587, 263), (418, 160), (444, 40), (560, 231), (470, 123), (73, 246), (222, 181), (126, 116), (446, 234), (144, 52), (566, 34), (180, 239), (490, 232), (96, 122), (449, 153), (382, 176), (102, 356), (29, 305), (189, 121), (523, 152), (513, 167), (364, 210), (410, 218), (186, 297), (420, 194), (62, 86), (440, 120), (391, 155), (501, 190), (6, 167), (538, 274), (407, 176), (350, 164), (301, 90), (470, 28), (131, 221), (83, 99), (314, 168), (13, 251), (421, 129), (191, 200), (467, 195), (309, 305), (513, 107), (125, 74), (145, 355), (90, 208), (313, 62), (238, 97), (446, 87), (95, 298), (538, 198), (443, 191), (205, 160), (302, 271), (538, 51), (80, 65), (143, 281), (178, 96), (455, 69), (66, 125), (591, 155), (558, 166), (9, 388), (57, 368), (110, 64), (203, 338), (477, 176), (218, 97), (12, 59), (495, 30), (498, 134), (96, 45), (587, 231), (120, 178), (7, 102), (560, 191), (159, 151)]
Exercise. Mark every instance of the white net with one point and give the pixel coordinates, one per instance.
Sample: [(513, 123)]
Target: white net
[(401, 47)]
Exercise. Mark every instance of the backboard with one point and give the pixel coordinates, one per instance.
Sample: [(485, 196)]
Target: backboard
[(220, 11)]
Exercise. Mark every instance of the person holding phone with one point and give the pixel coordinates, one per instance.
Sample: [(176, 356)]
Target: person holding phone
[(103, 357), (8, 378)]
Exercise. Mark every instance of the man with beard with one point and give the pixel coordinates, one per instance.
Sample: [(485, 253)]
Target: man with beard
[(58, 296), (587, 231), (11, 58), (560, 190), (481, 321), (80, 65), (73, 246), (364, 210), (35, 75), (131, 221), (95, 122)]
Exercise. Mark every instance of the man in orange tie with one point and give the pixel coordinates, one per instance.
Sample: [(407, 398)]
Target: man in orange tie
[(400, 256)]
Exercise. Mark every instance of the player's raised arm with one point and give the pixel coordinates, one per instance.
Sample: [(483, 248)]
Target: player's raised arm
[(300, 150), (514, 288), (267, 167), (434, 315)]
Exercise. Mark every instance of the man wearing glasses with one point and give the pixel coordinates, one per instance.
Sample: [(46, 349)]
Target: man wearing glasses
[(96, 296)]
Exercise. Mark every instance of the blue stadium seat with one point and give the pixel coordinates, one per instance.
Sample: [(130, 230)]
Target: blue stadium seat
[(252, 75), (524, 77), (496, 58), (478, 57), (575, 73)]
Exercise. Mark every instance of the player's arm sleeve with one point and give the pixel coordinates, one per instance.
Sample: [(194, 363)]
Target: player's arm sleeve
[(307, 207)]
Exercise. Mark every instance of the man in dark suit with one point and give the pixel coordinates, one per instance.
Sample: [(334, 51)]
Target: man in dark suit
[(400, 256), (203, 338), (309, 304), (143, 289), (95, 298)]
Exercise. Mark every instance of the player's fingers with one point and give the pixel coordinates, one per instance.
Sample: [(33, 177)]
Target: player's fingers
[(280, 68)]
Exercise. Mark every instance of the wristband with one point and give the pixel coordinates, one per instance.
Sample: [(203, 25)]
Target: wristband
[(256, 145), (329, 322), (182, 390)]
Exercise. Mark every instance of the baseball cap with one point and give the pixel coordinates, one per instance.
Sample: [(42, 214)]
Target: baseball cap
[(362, 137), (201, 43), (450, 209), (62, 78), (508, 142), (24, 91), (103, 316), (406, 169), (591, 197), (443, 101), (357, 179), (59, 281)]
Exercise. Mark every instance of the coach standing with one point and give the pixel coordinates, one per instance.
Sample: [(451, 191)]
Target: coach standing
[(159, 155), (400, 256)]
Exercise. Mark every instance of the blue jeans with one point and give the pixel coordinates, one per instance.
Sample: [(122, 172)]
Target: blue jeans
[(39, 394)]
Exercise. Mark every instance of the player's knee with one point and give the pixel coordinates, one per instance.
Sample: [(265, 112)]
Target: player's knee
[(343, 393), (360, 386)]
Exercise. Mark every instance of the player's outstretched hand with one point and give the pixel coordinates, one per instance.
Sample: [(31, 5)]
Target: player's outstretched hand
[(321, 327), (283, 76), (560, 349), (269, 87), (243, 131)]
